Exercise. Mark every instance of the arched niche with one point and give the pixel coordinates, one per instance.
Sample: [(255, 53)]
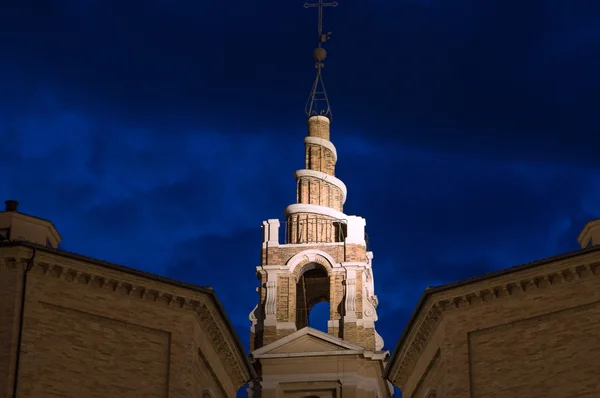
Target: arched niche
[(313, 286)]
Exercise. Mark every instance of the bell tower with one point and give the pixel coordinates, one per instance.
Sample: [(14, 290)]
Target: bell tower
[(318, 253)]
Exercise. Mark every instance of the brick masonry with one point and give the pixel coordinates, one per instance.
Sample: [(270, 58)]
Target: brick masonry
[(315, 191), (10, 294), (318, 127), (92, 332), (341, 252), (319, 158), (533, 333), (288, 285), (297, 292)]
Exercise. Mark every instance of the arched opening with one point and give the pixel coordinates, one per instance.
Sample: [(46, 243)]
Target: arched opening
[(312, 288)]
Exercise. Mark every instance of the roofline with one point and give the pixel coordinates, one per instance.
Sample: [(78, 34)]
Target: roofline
[(37, 218), (586, 228), (202, 289), (437, 289)]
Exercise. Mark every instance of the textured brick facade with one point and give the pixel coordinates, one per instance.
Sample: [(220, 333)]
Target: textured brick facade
[(323, 257), (532, 331), (340, 252), (319, 158), (317, 191), (10, 300), (92, 331), (319, 127)]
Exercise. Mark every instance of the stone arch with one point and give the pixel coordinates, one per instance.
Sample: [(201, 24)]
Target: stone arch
[(312, 256), (313, 273), (313, 286)]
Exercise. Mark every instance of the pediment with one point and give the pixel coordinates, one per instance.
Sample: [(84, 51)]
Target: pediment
[(306, 344), (307, 340)]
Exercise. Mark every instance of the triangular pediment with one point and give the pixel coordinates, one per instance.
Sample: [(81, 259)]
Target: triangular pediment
[(307, 340)]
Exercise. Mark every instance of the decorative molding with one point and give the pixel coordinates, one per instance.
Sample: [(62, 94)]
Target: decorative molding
[(343, 344), (369, 310), (322, 142), (314, 209), (297, 261), (350, 296), (252, 316), (379, 343), (433, 309), (271, 301), (215, 329), (210, 319), (305, 354), (324, 177)]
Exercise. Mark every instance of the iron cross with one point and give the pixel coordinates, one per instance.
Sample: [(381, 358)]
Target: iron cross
[(320, 4)]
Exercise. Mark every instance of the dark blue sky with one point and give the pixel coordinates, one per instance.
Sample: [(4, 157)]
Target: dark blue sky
[(160, 136)]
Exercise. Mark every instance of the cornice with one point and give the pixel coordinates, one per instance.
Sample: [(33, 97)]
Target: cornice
[(436, 305), (314, 209), (151, 292)]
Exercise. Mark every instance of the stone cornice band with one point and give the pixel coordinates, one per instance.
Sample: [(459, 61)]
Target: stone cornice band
[(315, 209)]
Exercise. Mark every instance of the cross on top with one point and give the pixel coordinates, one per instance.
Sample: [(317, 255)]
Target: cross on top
[(320, 4)]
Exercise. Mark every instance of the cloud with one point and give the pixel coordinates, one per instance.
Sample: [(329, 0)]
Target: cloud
[(499, 78), (160, 136)]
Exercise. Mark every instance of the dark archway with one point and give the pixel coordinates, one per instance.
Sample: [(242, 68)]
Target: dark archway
[(312, 288)]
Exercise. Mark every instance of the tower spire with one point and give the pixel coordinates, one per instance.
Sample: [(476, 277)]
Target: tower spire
[(318, 103)]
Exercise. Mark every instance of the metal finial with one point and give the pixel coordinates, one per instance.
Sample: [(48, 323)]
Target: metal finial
[(318, 103)]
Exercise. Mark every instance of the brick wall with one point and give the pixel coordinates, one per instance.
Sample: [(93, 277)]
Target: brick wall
[(11, 274), (534, 333), (290, 295), (87, 335), (320, 158), (311, 228), (318, 127), (315, 191), (279, 255)]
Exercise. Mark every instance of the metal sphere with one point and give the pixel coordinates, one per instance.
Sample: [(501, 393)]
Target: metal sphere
[(319, 54)]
